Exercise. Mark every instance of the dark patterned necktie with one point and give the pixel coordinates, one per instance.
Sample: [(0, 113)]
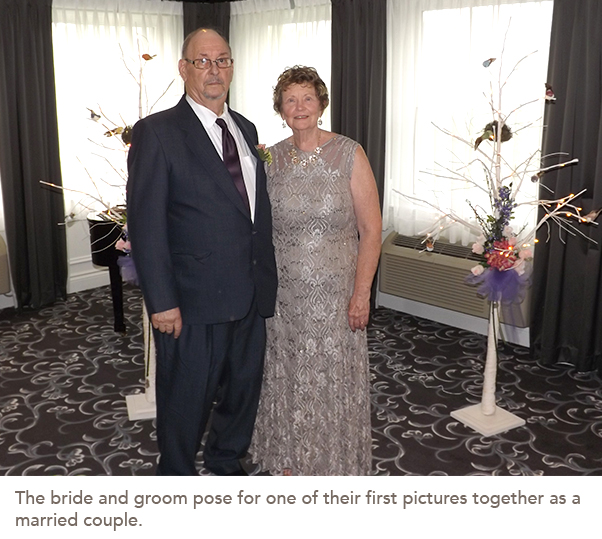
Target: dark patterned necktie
[(232, 161)]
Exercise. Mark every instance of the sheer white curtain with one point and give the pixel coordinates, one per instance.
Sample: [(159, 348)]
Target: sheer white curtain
[(268, 36), (98, 47), (436, 50)]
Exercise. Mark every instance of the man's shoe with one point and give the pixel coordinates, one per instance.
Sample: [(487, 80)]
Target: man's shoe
[(220, 473), (237, 472)]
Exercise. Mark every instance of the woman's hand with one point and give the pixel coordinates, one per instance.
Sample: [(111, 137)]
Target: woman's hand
[(359, 312)]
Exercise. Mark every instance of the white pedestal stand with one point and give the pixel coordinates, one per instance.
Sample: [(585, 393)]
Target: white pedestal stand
[(486, 418), (142, 405)]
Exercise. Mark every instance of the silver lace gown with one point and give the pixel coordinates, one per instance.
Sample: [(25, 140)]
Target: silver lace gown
[(314, 413)]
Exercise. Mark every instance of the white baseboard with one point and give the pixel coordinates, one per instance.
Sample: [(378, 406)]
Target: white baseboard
[(511, 334), (7, 300), (84, 275)]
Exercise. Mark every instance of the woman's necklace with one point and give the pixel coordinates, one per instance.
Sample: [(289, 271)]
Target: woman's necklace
[(313, 158)]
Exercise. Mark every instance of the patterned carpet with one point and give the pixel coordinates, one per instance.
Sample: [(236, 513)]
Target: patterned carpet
[(64, 375)]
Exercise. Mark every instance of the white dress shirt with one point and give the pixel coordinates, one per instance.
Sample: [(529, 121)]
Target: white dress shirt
[(248, 163)]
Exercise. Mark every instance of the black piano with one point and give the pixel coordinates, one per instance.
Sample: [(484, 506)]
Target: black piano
[(104, 233)]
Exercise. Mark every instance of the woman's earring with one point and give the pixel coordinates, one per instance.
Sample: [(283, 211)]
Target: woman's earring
[(319, 121), (283, 124)]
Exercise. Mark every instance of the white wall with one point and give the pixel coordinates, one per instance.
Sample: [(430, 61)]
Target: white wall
[(455, 319), (6, 300), (83, 275)]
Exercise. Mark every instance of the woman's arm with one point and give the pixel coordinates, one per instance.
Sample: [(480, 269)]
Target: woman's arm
[(369, 223)]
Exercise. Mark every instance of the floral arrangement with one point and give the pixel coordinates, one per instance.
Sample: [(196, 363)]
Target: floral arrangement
[(126, 262), (503, 273)]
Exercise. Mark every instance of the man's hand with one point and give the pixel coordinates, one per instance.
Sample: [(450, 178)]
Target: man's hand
[(168, 322)]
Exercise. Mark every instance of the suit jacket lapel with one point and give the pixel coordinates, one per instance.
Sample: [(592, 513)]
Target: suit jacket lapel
[(245, 132), (199, 142)]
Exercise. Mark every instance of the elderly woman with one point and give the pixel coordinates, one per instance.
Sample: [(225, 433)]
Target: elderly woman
[(314, 414)]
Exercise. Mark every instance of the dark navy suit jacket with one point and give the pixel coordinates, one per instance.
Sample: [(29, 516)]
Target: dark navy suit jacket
[(193, 242)]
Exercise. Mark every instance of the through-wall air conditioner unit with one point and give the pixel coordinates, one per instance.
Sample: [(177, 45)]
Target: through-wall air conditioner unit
[(438, 278)]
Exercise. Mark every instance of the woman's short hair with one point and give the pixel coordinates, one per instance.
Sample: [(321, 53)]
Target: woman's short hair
[(303, 76)]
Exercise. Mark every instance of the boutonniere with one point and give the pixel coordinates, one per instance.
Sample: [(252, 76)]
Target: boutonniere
[(264, 154)]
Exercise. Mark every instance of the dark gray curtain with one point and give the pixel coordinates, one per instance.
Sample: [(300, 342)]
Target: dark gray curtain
[(358, 87), (212, 14), (567, 299), (29, 152)]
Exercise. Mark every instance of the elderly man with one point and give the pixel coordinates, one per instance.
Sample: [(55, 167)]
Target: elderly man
[(199, 220)]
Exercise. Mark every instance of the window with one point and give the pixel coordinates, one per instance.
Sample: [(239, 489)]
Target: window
[(437, 82), (98, 48)]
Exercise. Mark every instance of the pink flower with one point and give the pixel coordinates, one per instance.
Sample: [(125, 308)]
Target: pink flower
[(525, 254), (519, 266), (477, 270), (477, 248), (264, 154), (502, 257), (507, 232), (122, 245)]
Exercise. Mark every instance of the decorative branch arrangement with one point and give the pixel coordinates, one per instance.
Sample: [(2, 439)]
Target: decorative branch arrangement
[(503, 273), (119, 134)]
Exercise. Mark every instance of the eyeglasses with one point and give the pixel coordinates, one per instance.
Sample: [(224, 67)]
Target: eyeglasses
[(205, 63)]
